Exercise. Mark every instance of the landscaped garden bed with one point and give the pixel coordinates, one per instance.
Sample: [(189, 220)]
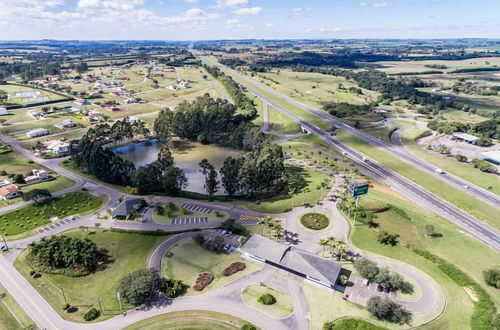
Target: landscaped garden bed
[(314, 221)]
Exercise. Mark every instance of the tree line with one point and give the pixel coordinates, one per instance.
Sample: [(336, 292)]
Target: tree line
[(246, 106)]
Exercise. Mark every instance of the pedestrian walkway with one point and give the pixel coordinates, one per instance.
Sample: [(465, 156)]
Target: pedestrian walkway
[(57, 224), (184, 221), (250, 217), (195, 208)]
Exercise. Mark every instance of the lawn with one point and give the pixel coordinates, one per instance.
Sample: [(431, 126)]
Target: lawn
[(185, 260), (179, 214), (35, 215), (128, 252), (279, 122), (281, 309), (28, 99), (475, 207), (12, 316), (299, 178), (190, 320)]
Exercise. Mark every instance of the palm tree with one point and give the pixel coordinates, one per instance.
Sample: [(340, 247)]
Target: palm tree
[(323, 242), (332, 245), (262, 222), (342, 248), (304, 192), (278, 228), (318, 188)]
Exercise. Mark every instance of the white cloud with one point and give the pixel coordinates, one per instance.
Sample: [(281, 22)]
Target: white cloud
[(231, 3), (382, 4), (109, 4), (269, 25), (248, 11), (362, 4), (191, 1)]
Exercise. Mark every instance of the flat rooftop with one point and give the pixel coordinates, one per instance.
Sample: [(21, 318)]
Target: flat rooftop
[(491, 155), (466, 137)]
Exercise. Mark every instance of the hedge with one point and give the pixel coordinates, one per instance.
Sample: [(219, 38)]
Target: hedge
[(484, 308)]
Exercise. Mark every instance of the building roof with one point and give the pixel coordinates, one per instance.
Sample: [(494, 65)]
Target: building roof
[(491, 155), (303, 262), (126, 206), (5, 190), (465, 136)]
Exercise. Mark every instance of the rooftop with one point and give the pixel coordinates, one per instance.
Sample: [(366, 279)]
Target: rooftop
[(465, 136), (492, 155)]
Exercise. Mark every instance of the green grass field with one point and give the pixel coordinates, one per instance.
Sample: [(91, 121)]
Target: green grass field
[(128, 252), (419, 66), (188, 259), (190, 320), (178, 214), (12, 316), (299, 178), (281, 309), (35, 215), (281, 123), (481, 210)]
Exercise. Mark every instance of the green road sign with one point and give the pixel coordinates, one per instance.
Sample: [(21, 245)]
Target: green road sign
[(358, 189)]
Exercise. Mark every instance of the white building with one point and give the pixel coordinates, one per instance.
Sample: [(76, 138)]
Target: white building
[(56, 146), (37, 132), (38, 176), (3, 112), (65, 124)]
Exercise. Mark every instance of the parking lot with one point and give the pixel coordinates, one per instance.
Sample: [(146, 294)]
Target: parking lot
[(195, 208), (359, 293), (184, 221), (57, 224)]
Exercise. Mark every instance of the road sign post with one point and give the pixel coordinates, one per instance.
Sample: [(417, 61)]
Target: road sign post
[(358, 189)]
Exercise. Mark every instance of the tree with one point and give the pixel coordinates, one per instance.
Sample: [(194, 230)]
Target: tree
[(211, 183), (461, 158), (229, 175), (137, 287), (173, 288), (36, 195), (342, 249), (323, 242), (343, 279), (292, 191), (492, 277), (81, 67), (384, 237), (387, 310), (366, 268)]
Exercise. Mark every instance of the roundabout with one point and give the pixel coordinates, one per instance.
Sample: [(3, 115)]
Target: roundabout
[(315, 221)]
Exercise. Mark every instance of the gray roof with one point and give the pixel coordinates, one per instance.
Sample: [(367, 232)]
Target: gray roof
[(303, 262), (491, 155), (465, 136), (126, 206)]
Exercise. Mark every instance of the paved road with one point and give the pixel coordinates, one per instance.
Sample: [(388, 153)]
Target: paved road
[(473, 190), (481, 231)]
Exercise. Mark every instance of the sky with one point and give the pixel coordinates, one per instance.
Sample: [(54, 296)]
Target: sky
[(247, 19)]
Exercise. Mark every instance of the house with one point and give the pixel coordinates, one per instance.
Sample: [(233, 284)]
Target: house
[(38, 176), (65, 124), (37, 132), (82, 102), (315, 269), (491, 156), (127, 207), (5, 183), (133, 120), (465, 137), (57, 146), (9, 192), (184, 84), (3, 112), (35, 114), (70, 108), (130, 101)]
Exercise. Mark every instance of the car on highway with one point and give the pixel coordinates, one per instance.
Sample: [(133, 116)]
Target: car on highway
[(438, 170)]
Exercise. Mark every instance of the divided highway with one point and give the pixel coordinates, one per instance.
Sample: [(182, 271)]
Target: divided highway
[(483, 232), (473, 190)]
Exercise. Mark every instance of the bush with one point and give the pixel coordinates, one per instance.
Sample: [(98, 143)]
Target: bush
[(267, 299), (247, 326), (91, 314), (387, 310), (65, 306), (234, 268), (461, 158), (203, 280), (173, 288), (350, 324), (138, 286), (492, 277)]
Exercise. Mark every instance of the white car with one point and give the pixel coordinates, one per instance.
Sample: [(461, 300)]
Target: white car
[(438, 170)]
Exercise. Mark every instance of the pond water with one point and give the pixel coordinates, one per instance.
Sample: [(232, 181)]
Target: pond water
[(187, 155)]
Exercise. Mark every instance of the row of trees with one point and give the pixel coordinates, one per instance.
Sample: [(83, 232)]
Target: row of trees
[(344, 109), (488, 129), (29, 71), (333, 247), (369, 270), (245, 105)]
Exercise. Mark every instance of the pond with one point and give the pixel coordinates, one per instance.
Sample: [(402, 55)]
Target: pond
[(187, 155)]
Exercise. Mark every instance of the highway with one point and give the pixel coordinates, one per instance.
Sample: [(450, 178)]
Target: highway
[(455, 181), (481, 231)]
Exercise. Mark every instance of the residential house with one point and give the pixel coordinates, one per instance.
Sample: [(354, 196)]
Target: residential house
[(56, 146), (3, 112), (38, 176), (9, 192), (37, 132), (82, 102), (67, 123), (35, 114)]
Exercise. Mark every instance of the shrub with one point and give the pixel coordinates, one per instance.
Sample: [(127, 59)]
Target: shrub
[(267, 299), (91, 314), (350, 324), (461, 158), (173, 288), (234, 268), (492, 277), (160, 210), (247, 326), (387, 310), (203, 280), (384, 237), (65, 306)]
